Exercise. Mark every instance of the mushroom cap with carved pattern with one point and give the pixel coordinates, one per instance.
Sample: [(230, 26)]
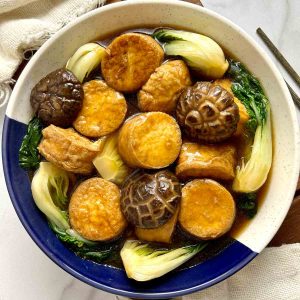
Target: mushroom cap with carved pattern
[(207, 112), (149, 200)]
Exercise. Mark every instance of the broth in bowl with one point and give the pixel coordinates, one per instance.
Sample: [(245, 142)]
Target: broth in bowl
[(147, 148)]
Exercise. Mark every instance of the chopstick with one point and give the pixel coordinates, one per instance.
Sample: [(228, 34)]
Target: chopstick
[(279, 56), (195, 1), (294, 95), (198, 2), (283, 62)]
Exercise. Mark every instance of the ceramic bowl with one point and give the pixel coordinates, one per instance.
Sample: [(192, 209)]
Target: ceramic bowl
[(282, 181)]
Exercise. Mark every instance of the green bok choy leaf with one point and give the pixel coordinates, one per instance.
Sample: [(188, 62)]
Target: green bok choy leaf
[(247, 203), (29, 157)]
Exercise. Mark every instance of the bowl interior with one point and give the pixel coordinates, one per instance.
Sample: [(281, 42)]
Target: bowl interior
[(151, 13)]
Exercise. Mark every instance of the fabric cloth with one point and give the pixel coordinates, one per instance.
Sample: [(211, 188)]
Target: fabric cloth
[(274, 274), (27, 24)]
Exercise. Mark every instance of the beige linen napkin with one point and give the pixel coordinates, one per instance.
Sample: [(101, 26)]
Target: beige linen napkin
[(273, 275), (27, 24)]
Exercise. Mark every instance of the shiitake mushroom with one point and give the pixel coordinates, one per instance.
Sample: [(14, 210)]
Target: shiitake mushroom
[(207, 112), (57, 98), (149, 200)]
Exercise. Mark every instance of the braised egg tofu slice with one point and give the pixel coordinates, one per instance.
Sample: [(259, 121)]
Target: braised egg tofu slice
[(130, 60), (103, 110), (95, 211), (162, 90), (150, 140), (207, 209)]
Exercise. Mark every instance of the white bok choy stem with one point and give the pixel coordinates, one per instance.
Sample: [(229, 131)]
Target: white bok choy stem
[(143, 263), (253, 174), (85, 60), (201, 53), (49, 190)]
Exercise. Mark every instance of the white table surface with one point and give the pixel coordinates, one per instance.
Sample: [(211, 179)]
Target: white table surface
[(25, 271)]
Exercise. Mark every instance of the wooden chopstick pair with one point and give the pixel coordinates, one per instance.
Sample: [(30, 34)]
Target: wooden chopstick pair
[(283, 62)]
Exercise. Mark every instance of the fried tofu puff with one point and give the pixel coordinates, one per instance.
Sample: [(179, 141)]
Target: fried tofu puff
[(68, 150), (130, 60), (95, 211), (244, 116), (207, 209), (103, 110), (149, 140), (161, 91), (210, 161)]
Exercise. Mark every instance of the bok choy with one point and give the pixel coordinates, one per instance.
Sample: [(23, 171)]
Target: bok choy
[(109, 163), (29, 157), (252, 174), (49, 187), (200, 52), (247, 204), (85, 60), (144, 263)]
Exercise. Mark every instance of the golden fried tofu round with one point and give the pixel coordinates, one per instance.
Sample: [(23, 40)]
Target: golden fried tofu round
[(244, 116), (68, 150), (130, 60), (103, 110), (207, 209), (206, 161), (150, 140), (161, 91), (95, 211)]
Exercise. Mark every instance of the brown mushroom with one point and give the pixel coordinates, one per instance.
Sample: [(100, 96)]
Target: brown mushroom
[(150, 200), (57, 98), (207, 112)]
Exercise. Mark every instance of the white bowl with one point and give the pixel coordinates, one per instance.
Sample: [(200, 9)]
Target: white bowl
[(118, 17)]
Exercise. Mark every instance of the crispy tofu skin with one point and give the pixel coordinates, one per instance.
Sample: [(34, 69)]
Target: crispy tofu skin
[(68, 150), (150, 140), (130, 60), (103, 110), (161, 91), (95, 211), (210, 161), (244, 116), (162, 234), (207, 209)]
